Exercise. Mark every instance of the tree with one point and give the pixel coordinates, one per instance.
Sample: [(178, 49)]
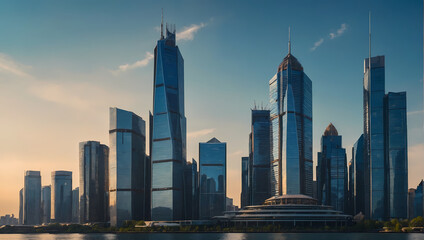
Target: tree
[(417, 222)]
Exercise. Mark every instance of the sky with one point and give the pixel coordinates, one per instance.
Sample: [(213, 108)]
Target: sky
[(64, 63)]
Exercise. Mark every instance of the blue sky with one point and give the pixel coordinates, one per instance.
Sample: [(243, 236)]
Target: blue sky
[(63, 63)]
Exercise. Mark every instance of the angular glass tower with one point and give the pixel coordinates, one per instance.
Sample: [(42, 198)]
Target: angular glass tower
[(46, 203), (396, 145), (213, 178), (61, 202), (127, 167), (191, 189), (259, 157), (332, 171), (359, 170), (168, 143), (94, 182), (21, 206), (75, 205), (290, 92), (418, 200), (374, 81), (244, 197), (32, 198)]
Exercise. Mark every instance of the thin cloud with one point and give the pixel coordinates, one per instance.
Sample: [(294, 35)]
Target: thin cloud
[(415, 112), (7, 65), (188, 32), (138, 64), (339, 31), (317, 44), (236, 153), (200, 133)]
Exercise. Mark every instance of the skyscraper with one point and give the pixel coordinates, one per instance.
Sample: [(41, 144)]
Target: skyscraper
[(396, 144), (259, 157), (244, 198), (374, 90), (46, 204), (75, 205), (32, 198), (191, 189), (168, 131), (359, 170), (61, 201), (127, 167), (419, 200), (332, 170), (291, 121), (21, 206), (94, 182), (411, 199), (213, 178)]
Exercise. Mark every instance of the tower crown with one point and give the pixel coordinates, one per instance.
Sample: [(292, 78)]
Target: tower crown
[(331, 130)]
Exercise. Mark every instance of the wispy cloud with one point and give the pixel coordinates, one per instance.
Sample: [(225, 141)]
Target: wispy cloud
[(415, 112), (138, 64), (339, 31), (8, 65), (317, 44), (188, 32), (200, 133), (331, 36), (236, 153)]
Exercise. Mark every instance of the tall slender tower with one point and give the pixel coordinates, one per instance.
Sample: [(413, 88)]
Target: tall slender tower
[(291, 124), (168, 131)]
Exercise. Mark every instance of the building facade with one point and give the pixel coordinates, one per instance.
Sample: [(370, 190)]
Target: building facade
[(332, 171), (411, 198), (359, 170), (419, 200), (94, 182), (46, 195), (75, 205), (259, 157), (291, 122), (61, 200), (213, 178), (127, 167), (32, 198), (396, 144), (21, 206), (168, 130), (191, 190), (244, 197)]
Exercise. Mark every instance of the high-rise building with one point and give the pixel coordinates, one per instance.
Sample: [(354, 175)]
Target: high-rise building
[(291, 121), (32, 198), (21, 206), (244, 197), (61, 200), (94, 182), (46, 204), (374, 90), (396, 144), (213, 178), (332, 170), (411, 198), (359, 170), (419, 200), (127, 167), (259, 157), (75, 205), (168, 130), (350, 200), (191, 189)]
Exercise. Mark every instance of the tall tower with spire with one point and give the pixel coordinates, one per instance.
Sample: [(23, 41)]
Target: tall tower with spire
[(168, 130), (291, 117)]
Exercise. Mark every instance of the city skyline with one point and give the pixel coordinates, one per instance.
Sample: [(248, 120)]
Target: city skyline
[(53, 98)]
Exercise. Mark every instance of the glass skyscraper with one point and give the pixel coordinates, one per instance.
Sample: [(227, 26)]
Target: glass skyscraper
[(374, 90), (213, 178), (359, 170), (61, 201), (291, 121), (94, 182), (21, 206), (168, 131), (259, 157), (75, 205), (332, 170), (418, 200), (191, 189), (244, 197), (32, 198), (127, 167), (411, 199), (46, 204), (396, 154)]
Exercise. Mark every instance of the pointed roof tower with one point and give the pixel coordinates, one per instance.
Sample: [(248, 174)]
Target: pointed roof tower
[(290, 60), (331, 130), (214, 140)]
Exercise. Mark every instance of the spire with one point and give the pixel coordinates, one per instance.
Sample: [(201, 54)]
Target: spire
[(161, 27), (289, 41), (369, 42)]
